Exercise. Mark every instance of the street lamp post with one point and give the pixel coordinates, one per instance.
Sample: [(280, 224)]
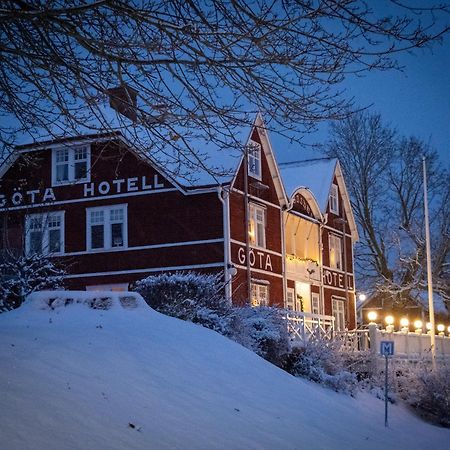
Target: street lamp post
[(429, 276)]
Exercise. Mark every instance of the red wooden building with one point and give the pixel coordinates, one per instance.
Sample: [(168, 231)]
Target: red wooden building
[(282, 235)]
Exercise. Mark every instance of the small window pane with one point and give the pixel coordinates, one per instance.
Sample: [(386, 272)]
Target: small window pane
[(116, 215), (96, 217), (62, 172), (54, 240), (36, 241), (116, 235), (80, 170), (97, 236), (62, 156)]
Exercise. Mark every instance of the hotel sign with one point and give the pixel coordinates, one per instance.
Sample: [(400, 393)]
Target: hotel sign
[(336, 279), (22, 197)]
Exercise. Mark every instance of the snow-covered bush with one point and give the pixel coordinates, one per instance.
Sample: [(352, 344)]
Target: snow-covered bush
[(322, 361), (188, 296), (22, 275), (262, 330)]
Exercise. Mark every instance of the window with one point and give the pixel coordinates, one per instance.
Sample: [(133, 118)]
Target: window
[(335, 252), (334, 199), (44, 233), (260, 294), (107, 227), (70, 165), (254, 159), (290, 296), (315, 303), (257, 225), (339, 314)]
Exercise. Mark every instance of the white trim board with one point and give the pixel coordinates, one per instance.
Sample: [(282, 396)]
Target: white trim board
[(146, 247), (154, 269)]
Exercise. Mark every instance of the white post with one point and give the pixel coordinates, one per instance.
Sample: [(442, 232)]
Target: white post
[(429, 276)]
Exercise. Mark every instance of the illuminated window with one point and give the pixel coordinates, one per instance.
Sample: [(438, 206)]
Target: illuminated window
[(257, 225), (70, 165), (44, 233), (107, 227), (290, 298), (338, 306), (254, 159), (260, 294), (335, 243), (315, 303), (334, 199)]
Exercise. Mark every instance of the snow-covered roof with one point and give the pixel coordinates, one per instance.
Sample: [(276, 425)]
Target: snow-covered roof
[(314, 174)]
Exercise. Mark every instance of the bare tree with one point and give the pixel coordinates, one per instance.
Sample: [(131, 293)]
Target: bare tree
[(386, 184), (199, 68)]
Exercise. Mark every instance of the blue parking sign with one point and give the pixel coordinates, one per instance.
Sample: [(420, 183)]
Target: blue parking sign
[(387, 348)]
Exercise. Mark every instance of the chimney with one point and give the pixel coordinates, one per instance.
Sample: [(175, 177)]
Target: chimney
[(123, 99)]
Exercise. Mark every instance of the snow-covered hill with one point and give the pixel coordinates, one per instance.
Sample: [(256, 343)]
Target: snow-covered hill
[(78, 378)]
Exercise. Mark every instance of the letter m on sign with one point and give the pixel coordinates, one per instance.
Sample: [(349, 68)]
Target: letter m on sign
[(387, 348)]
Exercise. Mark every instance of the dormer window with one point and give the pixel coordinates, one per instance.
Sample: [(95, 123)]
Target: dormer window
[(70, 165), (334, 200), (254, 159)]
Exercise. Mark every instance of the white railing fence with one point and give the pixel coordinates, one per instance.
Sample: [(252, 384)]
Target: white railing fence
[(306, 326)]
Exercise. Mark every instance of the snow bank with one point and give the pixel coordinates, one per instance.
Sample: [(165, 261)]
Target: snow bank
[(75, 377)]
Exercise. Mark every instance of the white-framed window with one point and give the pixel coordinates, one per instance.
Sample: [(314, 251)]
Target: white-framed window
[(335, 243), (257, 225), (334, 199), (44, 233), (315, 303), (107, 227), (338, 308), (290, 298), (71, 165), (254, 159), (260, 294)]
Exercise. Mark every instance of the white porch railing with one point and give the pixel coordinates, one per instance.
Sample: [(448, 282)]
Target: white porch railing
[(305, 326)]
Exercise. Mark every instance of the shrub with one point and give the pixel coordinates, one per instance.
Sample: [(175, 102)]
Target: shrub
[(261, 330), (321, 361), (188, 296), (22, 275)]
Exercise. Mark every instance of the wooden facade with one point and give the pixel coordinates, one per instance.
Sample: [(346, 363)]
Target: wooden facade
[(124, 219)]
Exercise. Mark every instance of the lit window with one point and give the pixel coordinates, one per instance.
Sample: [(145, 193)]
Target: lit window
[(335, 252), (44, 233), (260, 294), (254, 159), (290, 295), (315, 303), (338, 307), (334, 199), (70, 165), (107, 227), (257, 225)]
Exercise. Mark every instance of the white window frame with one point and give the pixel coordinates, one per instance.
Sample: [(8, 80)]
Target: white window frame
[(257, 234), (338, 311), (335, 246), (107, 247), (71, 165), (254, 162), (334, 199), (315, 298), (45, 232), (290, 299), (260, 294)]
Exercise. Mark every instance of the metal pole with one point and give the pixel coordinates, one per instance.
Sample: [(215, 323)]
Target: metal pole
[(429, 275), (386, 392), (247, 221)]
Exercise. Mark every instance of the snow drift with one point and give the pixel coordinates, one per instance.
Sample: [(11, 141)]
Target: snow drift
[(76, 374)]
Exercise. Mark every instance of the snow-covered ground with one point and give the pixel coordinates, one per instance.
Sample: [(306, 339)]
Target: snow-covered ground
[(78, 378)]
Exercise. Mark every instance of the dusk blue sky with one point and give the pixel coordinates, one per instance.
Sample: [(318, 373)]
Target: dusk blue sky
[(415, 101)]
